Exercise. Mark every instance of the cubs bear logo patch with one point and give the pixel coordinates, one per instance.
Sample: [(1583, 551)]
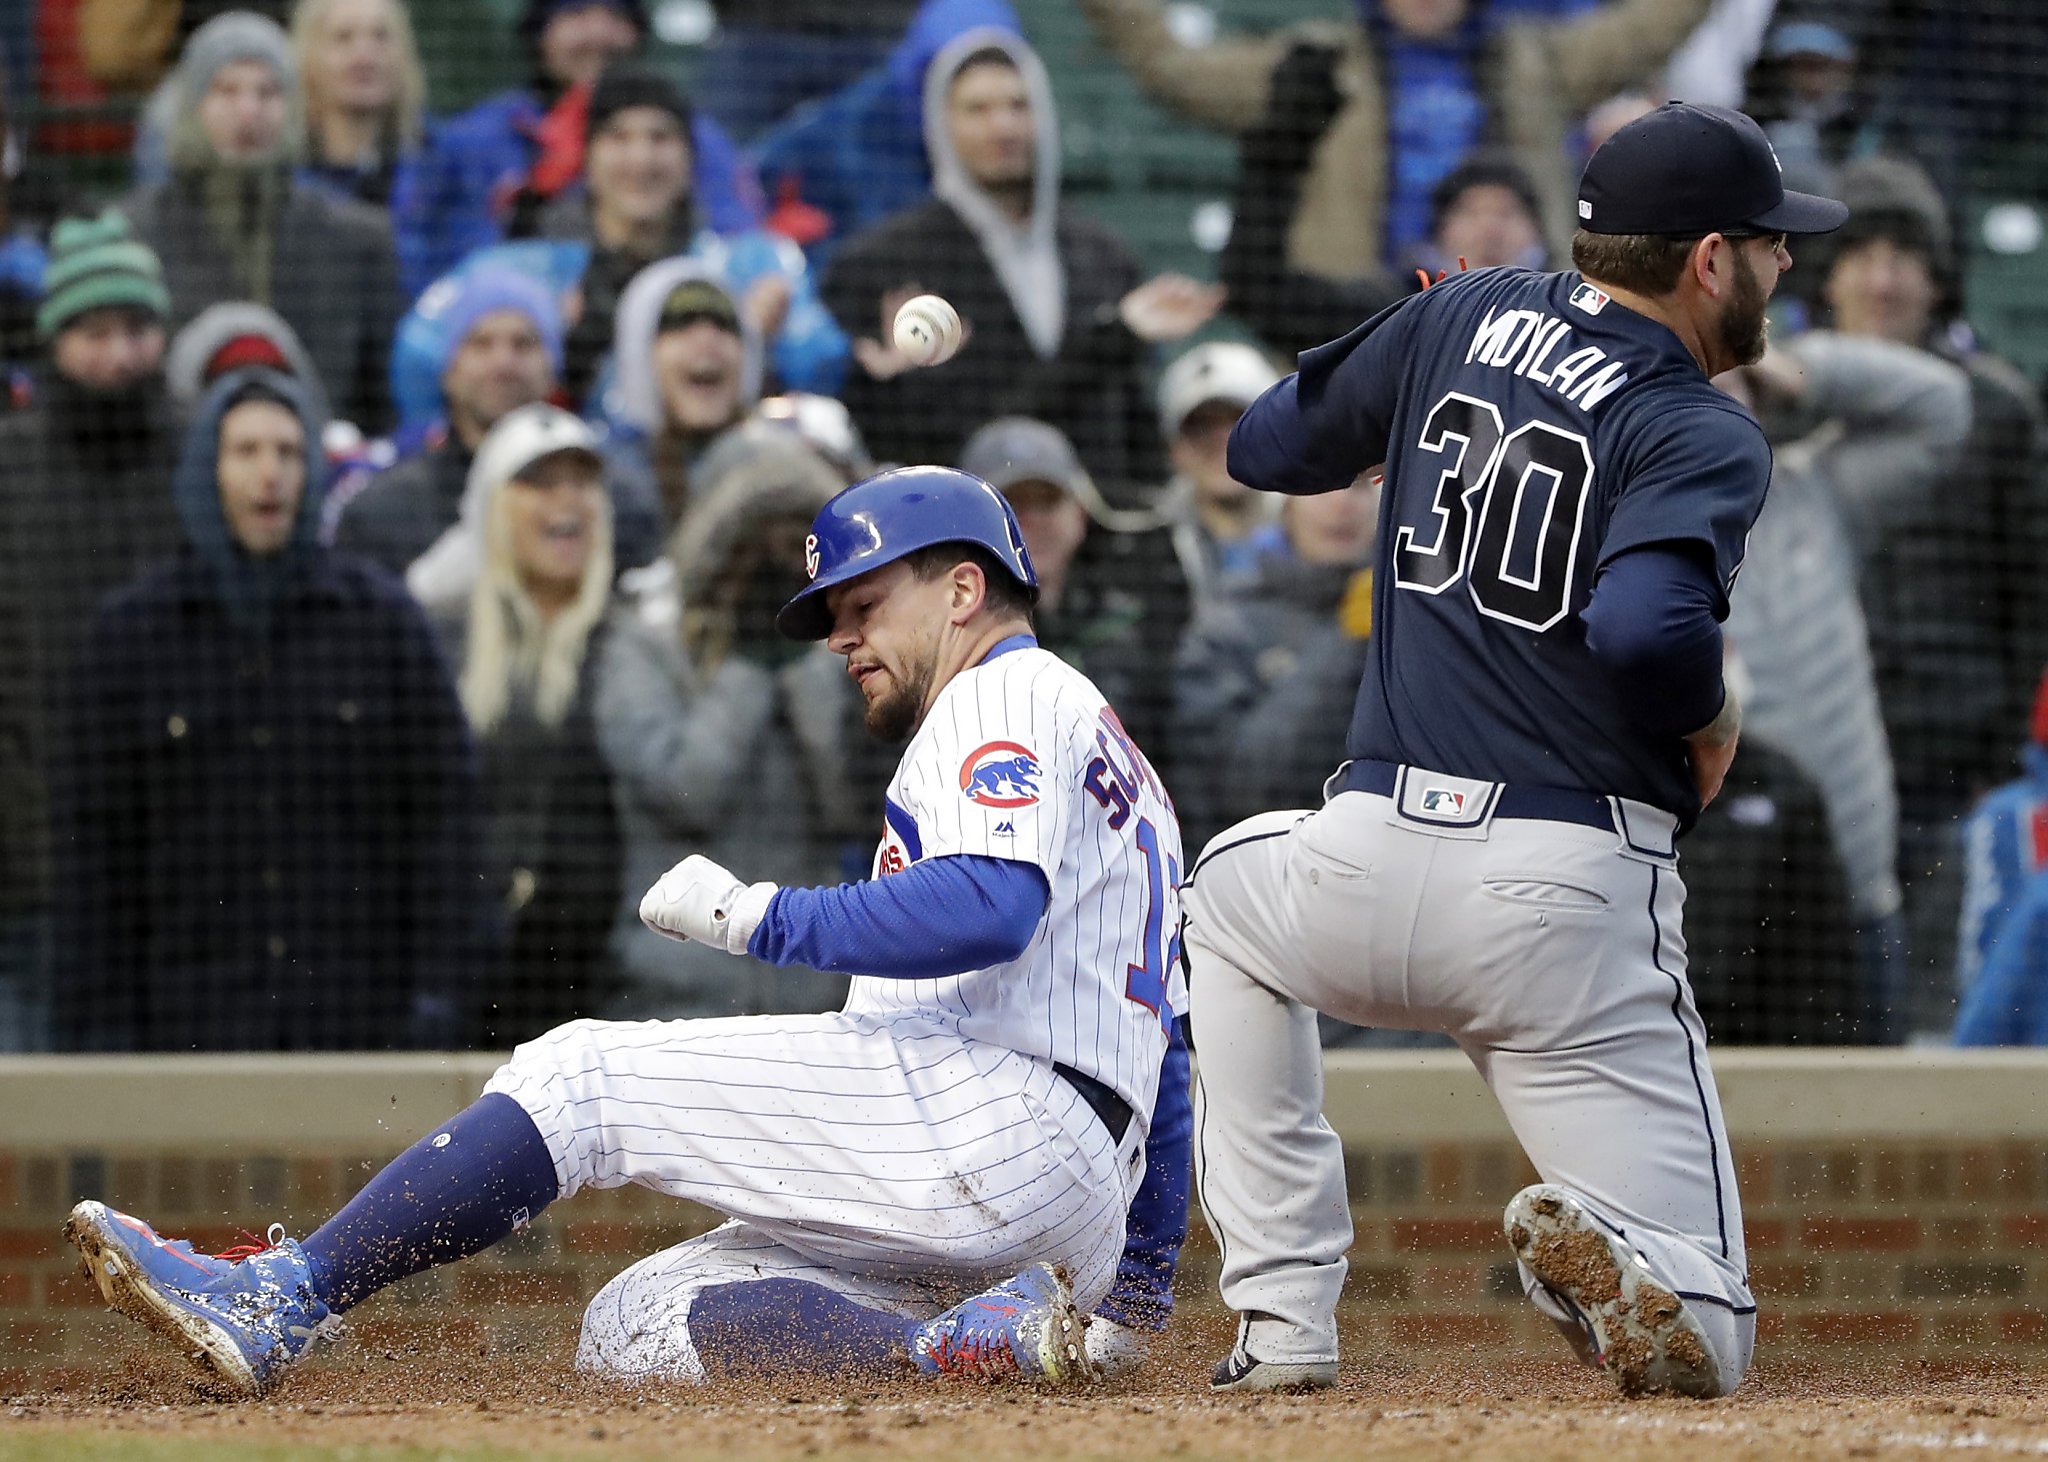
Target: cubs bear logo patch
[(1000, 774)]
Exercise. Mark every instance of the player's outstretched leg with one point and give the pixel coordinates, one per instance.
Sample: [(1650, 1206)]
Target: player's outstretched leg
[(241, 1318), (245, 1316), (1630, 1325), (1025, 1328)]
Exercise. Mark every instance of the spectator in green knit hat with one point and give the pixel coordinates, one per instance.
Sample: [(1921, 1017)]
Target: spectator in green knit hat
[(85, 505), (104, 304)]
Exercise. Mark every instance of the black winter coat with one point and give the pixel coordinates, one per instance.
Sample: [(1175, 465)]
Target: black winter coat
[(85, 506), (1093, 389), (265, 842), (551, 857)]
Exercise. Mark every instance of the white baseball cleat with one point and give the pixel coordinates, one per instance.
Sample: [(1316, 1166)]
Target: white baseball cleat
[(1637, 1330)]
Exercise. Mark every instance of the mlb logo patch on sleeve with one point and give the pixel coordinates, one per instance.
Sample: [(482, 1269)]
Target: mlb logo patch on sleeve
[(1000, 774)]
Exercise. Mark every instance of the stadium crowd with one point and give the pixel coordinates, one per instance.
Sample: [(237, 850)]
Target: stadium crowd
[(395, 499)]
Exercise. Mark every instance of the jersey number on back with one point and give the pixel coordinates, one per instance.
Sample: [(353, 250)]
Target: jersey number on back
[(1518, 548), (1115, 780)]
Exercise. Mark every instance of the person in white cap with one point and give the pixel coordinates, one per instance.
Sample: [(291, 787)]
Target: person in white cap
[(525, 641), (1213, 516)]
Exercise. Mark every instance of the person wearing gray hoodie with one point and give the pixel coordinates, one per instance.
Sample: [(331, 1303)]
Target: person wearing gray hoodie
[(1058, 313), (232, 222), (1861, 429), (725, 739)]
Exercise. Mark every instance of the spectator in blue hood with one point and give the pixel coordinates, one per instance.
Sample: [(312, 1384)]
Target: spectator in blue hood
[(858, 155), (484, 174), (266, 803)]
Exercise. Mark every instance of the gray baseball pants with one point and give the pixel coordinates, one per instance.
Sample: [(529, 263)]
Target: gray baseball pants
[(1549, 951)]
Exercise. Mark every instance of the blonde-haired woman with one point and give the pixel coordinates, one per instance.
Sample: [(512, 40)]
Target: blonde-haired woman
[(366, 92), (525, 643)]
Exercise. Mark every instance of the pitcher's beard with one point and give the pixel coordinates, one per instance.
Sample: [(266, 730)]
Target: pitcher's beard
[(1745, 327)]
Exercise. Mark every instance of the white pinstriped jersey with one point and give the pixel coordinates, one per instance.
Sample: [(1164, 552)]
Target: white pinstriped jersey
[(1020, 757)]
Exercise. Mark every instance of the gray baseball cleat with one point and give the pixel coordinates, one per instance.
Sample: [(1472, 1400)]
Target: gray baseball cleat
[(1243, 1371), (1636, 1330)]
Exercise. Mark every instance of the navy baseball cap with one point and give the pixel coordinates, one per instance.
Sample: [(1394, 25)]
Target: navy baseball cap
[(1684, 171)]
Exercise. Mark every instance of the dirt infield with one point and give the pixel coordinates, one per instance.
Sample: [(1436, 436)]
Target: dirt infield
[(418, 1399)]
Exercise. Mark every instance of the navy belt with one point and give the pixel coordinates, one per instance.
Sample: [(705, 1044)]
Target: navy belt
[(1114, 1111), (1533, 804)]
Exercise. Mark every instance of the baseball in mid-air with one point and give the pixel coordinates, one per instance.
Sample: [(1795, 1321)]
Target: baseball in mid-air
[(927, 329)]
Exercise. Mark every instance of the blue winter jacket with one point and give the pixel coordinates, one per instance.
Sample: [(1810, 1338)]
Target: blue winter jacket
[(450, 197), (807, 354), (858, 154), (2005, 848)]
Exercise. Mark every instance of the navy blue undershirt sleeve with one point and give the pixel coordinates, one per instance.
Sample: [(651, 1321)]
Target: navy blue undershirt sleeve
[(1694, 475), (1652, 622), (941, 916)]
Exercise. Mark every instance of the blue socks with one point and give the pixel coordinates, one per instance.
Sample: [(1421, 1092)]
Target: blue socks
[(770, 1326), (458, 1190)]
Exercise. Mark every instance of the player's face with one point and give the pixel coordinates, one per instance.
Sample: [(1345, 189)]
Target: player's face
[(501, 364), (988, 118), (579, 41), (1744, 329), (1201, 452), (1880, 289), (639, 166), (1488, 226), (109, 350), (552, 511), (262, 475), (697, 369), (886, 623), (243, 112)]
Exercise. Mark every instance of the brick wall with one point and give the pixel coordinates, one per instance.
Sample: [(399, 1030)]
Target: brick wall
[(1896, 1203)]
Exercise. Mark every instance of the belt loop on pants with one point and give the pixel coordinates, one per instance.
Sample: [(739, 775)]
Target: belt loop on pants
[(1112, 1109)]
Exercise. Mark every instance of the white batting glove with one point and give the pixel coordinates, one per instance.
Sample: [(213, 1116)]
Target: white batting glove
[(697, 899)]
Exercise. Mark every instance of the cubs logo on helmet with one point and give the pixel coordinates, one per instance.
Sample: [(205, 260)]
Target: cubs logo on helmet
[(1000, 774)]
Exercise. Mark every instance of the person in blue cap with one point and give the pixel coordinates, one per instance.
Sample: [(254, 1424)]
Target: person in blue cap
[(979, 1114)]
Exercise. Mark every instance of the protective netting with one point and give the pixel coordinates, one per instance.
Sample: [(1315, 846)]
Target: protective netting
[(321, 727)]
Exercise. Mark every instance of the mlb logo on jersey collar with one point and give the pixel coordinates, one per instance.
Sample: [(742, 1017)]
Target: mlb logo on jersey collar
[(1591, 298)]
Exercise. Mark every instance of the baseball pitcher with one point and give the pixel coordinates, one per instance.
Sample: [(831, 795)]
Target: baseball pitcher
[(1542, 714)]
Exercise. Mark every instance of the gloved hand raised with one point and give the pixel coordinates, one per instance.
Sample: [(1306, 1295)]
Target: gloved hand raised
[(697, 899)]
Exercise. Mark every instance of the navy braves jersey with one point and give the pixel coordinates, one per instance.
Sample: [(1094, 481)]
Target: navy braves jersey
[(1532, 431)]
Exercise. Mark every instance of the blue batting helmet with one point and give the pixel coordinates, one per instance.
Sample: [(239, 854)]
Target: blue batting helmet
[(885, 517)]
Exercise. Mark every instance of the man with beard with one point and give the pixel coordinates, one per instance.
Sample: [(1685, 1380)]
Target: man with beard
[(1543, 713), (978, 1112), (85, 504)]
